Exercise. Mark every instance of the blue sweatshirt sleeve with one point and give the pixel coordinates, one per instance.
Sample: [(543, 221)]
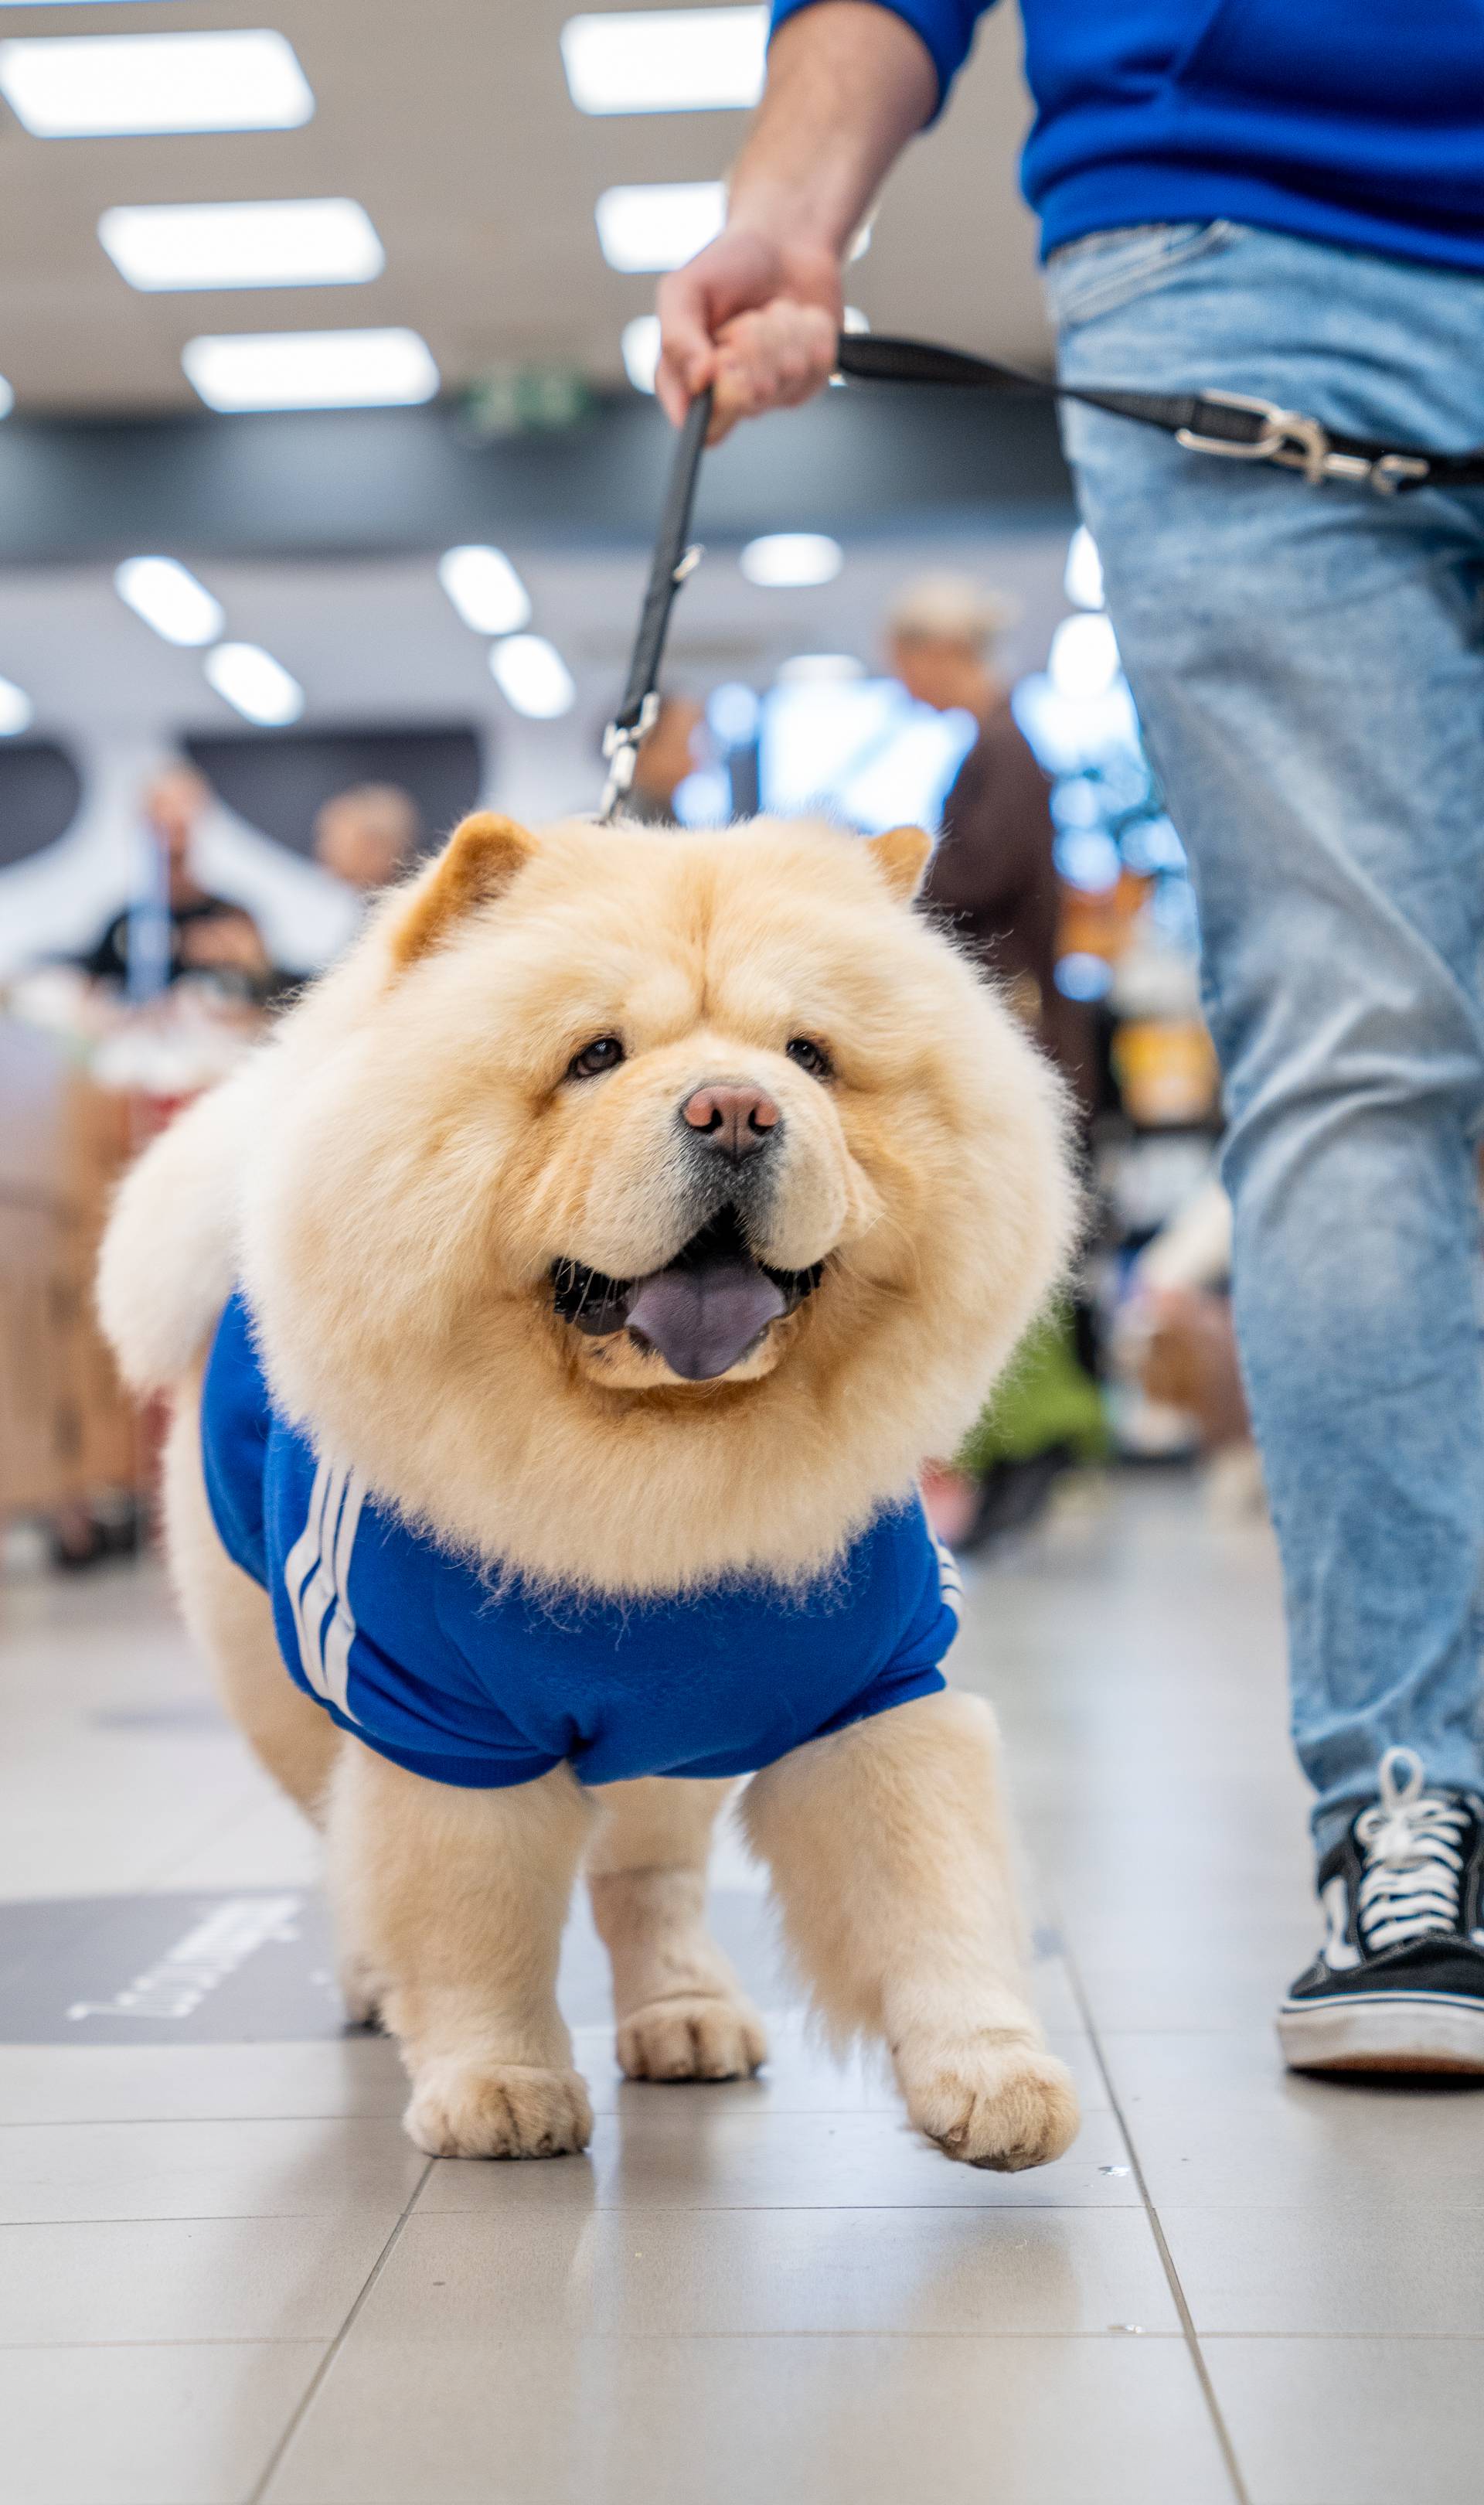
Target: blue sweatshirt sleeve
[(945, 26)]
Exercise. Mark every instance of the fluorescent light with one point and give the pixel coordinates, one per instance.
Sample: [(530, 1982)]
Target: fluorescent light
[(856, 323), (17, 711), (641, 345), (311, 369), (254, 683), (168, 597), (531, 676), (1082, 581), (7, 397), (656, 226), (485, 589), (666, 60), (1084, 658), (819, 669), (84, 86), (791, 560), (243, 243)]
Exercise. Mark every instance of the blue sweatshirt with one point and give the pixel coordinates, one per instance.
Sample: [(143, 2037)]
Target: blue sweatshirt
[(481, 1683), (1350, 121)]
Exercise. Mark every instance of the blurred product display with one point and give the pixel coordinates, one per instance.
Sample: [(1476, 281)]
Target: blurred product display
[(69, 1448)]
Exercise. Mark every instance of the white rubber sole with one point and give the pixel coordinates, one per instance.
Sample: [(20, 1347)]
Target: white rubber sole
[(1385, 2031)]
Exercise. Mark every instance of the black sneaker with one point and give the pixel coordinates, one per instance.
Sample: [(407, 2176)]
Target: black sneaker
[(1398, 1983)]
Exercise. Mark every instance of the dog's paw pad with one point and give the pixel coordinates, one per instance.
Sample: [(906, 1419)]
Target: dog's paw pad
[(993, 2100), (700, 2037), (485, 2109)]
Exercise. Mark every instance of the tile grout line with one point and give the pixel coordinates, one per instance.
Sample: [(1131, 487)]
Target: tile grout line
[(271, 2466), (1166, 2258)]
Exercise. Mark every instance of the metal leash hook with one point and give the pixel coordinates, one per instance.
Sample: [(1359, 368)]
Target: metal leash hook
[(675, 559)]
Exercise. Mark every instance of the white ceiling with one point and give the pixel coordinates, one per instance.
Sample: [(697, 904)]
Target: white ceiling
[(450, 120)]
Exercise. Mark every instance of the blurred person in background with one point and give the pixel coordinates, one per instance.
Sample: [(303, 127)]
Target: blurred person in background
[(1288, 203), (992, 875), (174, 927), (667, 756), (993, 880), (367, 836)]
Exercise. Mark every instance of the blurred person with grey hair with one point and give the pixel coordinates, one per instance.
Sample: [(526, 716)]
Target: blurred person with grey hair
[(993, 876), (367, 836)]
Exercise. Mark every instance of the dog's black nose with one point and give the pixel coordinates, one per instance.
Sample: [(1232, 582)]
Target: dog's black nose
[(736, 1122)]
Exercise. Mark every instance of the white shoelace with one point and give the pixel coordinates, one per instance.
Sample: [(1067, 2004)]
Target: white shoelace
[(1414, 1866)]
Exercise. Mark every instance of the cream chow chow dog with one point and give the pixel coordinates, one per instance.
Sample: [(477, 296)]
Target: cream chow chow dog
[(557, 1310)]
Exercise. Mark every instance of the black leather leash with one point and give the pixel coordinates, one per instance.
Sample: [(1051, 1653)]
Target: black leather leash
[(673, 559), (1234, 425)]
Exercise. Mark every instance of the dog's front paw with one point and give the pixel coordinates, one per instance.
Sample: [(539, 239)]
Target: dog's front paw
[(701, 2036), (486, 2109), (991, 2099)]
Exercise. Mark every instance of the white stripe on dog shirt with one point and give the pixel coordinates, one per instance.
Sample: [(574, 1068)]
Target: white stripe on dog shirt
[(949, 1580), (318, 1585), (340, 1634)]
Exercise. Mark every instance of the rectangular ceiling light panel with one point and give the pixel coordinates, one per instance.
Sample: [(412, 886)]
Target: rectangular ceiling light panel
[(640, 341), (485, 589), (254, 683), (311, 370), (88, 87), (666, 60), (656, 226), (167, 596), (243, 243)]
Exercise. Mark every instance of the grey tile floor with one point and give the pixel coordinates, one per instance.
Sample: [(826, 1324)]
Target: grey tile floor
[(226, 2277)]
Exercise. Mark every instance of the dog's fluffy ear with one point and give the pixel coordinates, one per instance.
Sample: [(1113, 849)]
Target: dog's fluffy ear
[(478, 862), (902, 855)]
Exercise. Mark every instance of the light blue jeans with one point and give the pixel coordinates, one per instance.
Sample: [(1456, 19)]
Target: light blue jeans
[(1309, 667)]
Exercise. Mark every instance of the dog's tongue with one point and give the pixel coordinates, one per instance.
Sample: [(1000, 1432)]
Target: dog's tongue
[(704, 1314)]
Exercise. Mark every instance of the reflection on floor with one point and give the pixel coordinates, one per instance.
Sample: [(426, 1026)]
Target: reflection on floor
[(225, 2276)]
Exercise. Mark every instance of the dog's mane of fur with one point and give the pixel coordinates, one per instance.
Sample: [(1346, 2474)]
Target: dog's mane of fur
[(373, 1177)]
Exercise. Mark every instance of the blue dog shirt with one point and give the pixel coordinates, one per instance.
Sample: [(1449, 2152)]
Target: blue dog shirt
[(467, 1682)]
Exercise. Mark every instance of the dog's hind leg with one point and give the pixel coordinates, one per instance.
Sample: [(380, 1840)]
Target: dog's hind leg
[(889, 1854), (231, 1619), (456, 1898), (681, 2010)]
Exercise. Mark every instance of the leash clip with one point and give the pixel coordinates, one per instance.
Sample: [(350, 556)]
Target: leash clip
[(1395, 469), (621, 743), (1293, 441), (1288, 438)]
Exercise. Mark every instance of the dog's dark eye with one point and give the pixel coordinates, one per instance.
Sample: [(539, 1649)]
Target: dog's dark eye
[(605, 1052), (809, 1057)]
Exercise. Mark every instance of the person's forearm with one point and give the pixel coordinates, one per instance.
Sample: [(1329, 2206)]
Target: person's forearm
[(755, 319), (848, 84)]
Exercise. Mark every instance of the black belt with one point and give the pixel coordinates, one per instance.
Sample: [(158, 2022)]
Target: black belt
[(1235, 425)]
